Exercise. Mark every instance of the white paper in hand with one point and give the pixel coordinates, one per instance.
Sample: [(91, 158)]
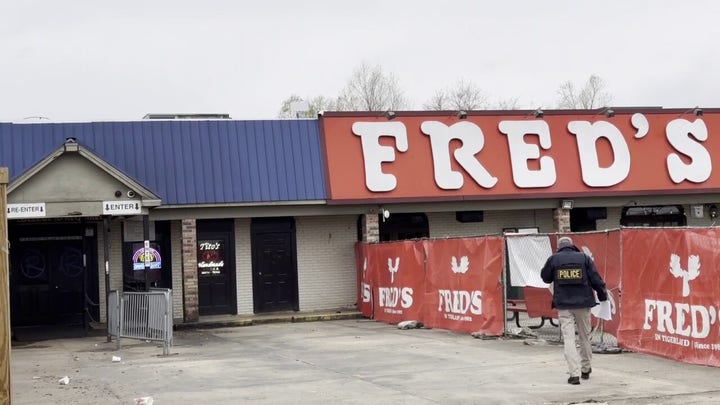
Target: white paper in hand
[(602, 310)]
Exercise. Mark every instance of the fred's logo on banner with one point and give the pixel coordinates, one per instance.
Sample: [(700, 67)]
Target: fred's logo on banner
[(393, 269), (392, 297), (366, 295), (456, 304), (680, 318), (693, 270), (462, 267)]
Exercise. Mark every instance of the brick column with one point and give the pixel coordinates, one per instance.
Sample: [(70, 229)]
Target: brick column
[(370, 228), (561, 220), (190, 275)]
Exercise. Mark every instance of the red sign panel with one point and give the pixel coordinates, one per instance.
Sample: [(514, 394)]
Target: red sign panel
[(364, 281), (670, 294), (396, 273), (463, 288), (441, 157)]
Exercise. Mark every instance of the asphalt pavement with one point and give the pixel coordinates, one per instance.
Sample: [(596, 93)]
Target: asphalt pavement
[(352, 361)]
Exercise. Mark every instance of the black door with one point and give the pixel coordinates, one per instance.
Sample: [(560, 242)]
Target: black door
[(216, 268), (274, 265), (49, 281)]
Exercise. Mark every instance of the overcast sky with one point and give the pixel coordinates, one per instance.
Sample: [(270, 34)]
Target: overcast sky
[(76, 60)]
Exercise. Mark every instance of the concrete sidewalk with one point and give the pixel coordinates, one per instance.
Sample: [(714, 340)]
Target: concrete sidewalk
[(342, 362)]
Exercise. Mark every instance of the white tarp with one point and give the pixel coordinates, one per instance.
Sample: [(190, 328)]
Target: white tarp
[(527, 255)]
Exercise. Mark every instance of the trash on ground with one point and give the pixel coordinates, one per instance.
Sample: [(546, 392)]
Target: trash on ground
[(116, 359), (65, 380), (523, 332), (410, 325), (144, 401), (482, 336), (606, 348)]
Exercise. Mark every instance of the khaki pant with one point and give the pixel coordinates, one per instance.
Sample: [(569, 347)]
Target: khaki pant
[(569, 318)]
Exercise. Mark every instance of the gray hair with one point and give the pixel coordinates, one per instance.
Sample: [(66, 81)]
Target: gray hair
[(564, 241)]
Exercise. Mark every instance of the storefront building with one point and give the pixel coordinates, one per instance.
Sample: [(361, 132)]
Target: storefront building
[(249, 217)]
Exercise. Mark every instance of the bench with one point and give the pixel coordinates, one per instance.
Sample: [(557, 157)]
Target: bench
[(537, 304)]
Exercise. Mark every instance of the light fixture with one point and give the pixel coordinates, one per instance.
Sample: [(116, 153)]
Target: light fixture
[(566, 204), (606, 111), (538, 113), (462, 114), (697, 111), (390, 115), (713, 211)]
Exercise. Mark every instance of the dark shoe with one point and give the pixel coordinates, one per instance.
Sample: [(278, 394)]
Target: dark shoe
[(574, 380), (586, 376)]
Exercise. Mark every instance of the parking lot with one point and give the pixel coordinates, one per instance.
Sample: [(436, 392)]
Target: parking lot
[(353, 361)]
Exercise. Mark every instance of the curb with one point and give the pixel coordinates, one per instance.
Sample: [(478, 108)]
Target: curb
[(267, 320)]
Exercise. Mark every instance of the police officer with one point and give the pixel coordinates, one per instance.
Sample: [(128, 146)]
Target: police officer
[(574, 278)]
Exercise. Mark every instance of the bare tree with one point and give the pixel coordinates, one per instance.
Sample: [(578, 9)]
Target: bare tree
[(371, 89), (463, 95), (591, 95), (314, 106), (512, 103)]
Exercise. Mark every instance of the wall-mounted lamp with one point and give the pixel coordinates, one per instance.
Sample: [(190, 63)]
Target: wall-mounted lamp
[(462, 114), (566, 204), (390, 115), (713, 211), (697, 111), (538, 113), (385, 214), (607, 112)]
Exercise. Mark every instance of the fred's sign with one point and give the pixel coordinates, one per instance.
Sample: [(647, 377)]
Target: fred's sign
[(441, 157)]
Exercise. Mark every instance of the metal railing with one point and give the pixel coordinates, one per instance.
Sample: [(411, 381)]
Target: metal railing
[(142, 315)]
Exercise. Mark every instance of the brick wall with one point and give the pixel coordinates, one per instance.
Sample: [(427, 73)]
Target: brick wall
[(189, 258), (326, 261), (243, 266), (177, 271)]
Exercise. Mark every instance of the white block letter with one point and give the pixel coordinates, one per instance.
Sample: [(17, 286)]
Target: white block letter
[(472, 140), (375, 154), (587, 135), (680, 134), (521, 152)]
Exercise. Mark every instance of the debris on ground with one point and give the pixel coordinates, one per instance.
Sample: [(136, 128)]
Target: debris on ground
[(144, 401), (520, 333), (410, 325), (116, 359), (482, 336), (65, 380), (606, 348)]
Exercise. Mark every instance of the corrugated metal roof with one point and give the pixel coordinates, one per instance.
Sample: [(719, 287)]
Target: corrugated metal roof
[(189, 162)]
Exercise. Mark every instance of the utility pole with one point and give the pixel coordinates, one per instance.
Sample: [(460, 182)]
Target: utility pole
[(5, 396)]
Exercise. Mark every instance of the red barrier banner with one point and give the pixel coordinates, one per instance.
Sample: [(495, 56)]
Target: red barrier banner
[(463, 288), (396, 271), (670, 294), (364, 282), (604, 249)]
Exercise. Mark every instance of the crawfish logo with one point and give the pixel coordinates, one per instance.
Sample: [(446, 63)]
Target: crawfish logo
[(393, 269), (693, 270), (461, 267)]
